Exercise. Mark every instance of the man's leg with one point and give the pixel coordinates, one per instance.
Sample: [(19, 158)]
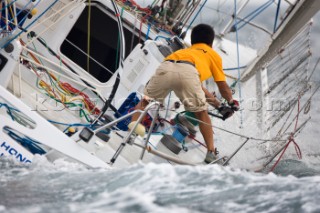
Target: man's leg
[(206, 128), (141, 105), (157, 88)]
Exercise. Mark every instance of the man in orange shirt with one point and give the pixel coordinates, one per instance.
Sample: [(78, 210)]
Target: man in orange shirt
[(182, 72)]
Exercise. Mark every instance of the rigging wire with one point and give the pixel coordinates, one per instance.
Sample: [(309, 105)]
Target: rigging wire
[(29, 25), (252, 15), (196, 15), (238, 63), (90, 56), (276, 18)]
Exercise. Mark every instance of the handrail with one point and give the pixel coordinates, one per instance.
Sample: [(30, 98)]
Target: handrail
[(150, 129), (127, 138)]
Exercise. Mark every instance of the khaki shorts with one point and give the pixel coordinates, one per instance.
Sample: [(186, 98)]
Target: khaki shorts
[(181, 78)]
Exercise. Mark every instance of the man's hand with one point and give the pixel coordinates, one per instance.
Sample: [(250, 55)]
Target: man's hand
[(225, 111), (211, 98), (234, 104)]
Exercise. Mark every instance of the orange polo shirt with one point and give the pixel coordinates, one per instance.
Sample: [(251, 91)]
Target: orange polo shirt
[(207, 61)]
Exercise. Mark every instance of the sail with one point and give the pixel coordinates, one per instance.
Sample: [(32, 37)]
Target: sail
[(301, 13)]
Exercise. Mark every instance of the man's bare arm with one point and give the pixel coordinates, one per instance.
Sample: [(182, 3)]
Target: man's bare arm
[(211, 99), (225, 90)]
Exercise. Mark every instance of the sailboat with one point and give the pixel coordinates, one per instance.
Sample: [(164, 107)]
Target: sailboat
[(71, 73)]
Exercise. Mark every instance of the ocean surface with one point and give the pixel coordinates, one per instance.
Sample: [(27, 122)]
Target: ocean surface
[(69, 187)]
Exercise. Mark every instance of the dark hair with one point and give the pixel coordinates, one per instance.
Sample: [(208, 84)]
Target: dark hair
[(202, 33)]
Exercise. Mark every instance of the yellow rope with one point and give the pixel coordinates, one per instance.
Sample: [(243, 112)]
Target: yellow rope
[(11, 11), (230, 76)]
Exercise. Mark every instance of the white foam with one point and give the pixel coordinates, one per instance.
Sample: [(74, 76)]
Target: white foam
[(2, 208)]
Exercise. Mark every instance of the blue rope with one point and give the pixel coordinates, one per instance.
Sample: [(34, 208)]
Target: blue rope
[(25, 17), (234, 68), (70, 125), (77, 124), (257, 11), (26, 142), (254, 14), (165, 31), (161, 37), (8, 5), (277, 15), (163, 132), (238, 61), (16, 36), (9, 109), (7, 24), (196, 15), (147, 35)]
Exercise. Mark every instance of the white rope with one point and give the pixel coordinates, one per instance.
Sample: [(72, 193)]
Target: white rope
[(58, 73), (234, 133), (80, 50), (77, 4)]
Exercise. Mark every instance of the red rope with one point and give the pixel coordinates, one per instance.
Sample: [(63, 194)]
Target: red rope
[(291, 139), (144, 9), (199, 142), (297, 148), (71, 89)]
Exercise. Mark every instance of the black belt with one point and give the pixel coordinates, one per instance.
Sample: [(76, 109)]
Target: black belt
[(182, 62)]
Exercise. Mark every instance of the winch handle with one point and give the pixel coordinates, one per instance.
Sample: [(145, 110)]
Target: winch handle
[(217, 116)]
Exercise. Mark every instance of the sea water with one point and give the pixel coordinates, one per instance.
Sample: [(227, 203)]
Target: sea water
[(70, 187)]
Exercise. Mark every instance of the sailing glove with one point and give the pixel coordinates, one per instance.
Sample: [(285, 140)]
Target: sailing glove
[(225, 111), (234, 104)]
